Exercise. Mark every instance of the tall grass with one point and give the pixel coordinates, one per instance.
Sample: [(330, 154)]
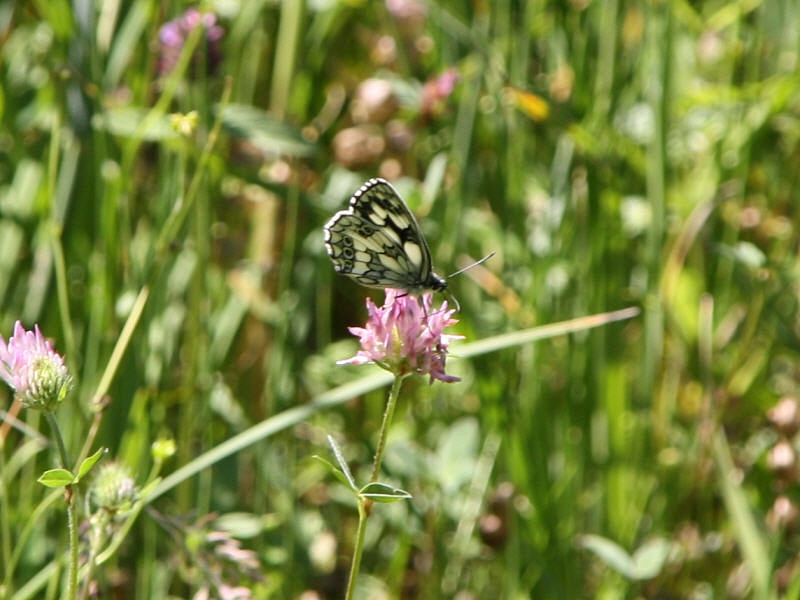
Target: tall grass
[(613, 154)]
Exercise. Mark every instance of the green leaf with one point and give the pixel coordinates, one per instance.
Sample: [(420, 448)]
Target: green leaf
[(264, 131), (457, 454), (646, 562), (89, 462), (342, 463), (336, 472), (57, 478), (650, 557), (750, 531), (382, 492), (610, 553), (135, 121), (241, 525)]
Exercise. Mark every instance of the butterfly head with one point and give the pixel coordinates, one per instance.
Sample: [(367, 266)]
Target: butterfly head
[(437, 283)]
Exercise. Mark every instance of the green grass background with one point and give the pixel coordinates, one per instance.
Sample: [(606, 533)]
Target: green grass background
[(185, 280)]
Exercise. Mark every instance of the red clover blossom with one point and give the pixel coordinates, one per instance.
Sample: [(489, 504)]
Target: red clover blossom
[(36, 372), (404, 336)]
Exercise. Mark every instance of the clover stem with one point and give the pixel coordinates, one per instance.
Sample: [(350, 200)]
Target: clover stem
[(365, 504)]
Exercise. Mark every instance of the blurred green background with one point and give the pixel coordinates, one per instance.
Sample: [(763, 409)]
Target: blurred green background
[(612, 154)]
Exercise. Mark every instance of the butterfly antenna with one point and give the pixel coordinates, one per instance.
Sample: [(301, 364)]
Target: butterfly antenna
[(475, 264)]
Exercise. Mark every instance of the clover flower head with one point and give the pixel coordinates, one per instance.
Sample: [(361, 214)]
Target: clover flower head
[(114, 489), (405, 336), (35, 371)]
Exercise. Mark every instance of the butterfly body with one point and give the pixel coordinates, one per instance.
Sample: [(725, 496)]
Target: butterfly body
[(378, 242)]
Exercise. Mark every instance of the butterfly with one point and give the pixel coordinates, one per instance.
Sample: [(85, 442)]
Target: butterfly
[(378, 242)]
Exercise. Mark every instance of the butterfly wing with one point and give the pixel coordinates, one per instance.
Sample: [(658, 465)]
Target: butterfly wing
[(367, 253), (378, 242)]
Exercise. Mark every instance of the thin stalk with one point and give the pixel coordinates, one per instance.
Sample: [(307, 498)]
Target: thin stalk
[(122, 344), (388, 414), (72, 526), (359, 547), (72, 589), (364, 504), (62, 449), (5, 520)]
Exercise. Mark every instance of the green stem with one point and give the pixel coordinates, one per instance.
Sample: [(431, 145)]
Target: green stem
[(71, 524), (62, 449), (388, 414), (73, 547), (5, 520), (364, 503), (359, 547)]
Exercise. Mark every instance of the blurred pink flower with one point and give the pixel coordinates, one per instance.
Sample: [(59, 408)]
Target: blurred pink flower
[(407, 11), (436, 91), (36, 372), (173, 34), (443, 85), (404, 336), (229, 592)]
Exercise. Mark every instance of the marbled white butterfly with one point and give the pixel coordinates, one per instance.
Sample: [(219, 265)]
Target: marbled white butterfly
[(378, 242)]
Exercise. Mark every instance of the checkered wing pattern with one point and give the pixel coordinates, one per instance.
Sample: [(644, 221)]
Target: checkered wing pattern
[(378, 242)]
